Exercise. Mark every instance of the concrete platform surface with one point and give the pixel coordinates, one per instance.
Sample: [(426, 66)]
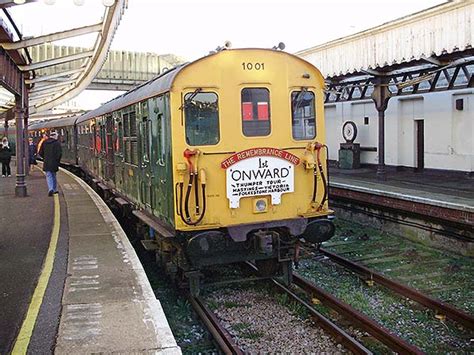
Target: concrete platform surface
[(95, 298), (25, 231), (108, 303), (455, 191)]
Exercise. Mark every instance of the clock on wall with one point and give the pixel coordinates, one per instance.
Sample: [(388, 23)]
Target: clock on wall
[(349, 131)]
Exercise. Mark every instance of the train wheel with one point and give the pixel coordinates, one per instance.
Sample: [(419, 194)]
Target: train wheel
[(267, 267)]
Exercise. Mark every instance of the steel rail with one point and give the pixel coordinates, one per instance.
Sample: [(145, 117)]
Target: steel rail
[(393, 341), (220, 334), (338, 333), (439, 307)]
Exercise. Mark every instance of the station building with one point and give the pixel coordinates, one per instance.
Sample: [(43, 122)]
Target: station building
[(426, 60)]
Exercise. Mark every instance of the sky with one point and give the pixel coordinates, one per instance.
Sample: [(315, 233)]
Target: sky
[(190, 29)]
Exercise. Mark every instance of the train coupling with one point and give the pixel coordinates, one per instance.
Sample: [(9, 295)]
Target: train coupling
[(265, 241)]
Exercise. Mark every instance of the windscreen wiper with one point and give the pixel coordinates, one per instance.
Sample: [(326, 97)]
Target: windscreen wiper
[(190, 98)]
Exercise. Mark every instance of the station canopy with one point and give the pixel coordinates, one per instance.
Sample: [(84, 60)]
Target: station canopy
[(50, 82)]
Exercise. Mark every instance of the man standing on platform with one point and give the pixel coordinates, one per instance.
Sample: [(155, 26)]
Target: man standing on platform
[(51, 152)]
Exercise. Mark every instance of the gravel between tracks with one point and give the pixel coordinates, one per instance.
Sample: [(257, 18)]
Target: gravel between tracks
[(260, 324)]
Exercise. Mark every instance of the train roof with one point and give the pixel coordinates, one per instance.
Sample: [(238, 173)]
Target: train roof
[(60, 122), (160, 84)]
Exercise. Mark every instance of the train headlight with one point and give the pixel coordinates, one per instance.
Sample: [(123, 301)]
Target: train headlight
[(260, 205)]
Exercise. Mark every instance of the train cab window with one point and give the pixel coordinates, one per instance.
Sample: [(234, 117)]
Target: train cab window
[(201, 113), (255, 112), (303, 118)]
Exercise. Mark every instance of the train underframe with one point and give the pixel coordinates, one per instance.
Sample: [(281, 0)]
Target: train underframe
[(271, 246)]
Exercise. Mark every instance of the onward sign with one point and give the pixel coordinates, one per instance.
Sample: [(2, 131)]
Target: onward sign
[(259, 171)]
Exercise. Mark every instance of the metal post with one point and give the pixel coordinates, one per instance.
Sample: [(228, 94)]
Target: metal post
[(27, 148), (381, 147), (6, 124), (381, 95), (20, 188)]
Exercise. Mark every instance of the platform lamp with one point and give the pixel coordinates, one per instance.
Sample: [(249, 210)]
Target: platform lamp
[(19, 2)]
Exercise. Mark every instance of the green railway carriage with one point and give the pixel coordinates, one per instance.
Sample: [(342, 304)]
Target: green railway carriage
[(224, 158), (66, 136)]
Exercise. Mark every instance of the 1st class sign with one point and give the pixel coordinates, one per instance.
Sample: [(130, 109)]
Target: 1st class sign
[(257, 172)]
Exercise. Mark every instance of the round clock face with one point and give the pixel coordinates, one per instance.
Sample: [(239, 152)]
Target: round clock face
[(349, 131)]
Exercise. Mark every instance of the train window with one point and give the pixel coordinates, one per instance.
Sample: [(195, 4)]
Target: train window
[(133, 124), (255, 112), (201, 113), (303, 118), (119, 143), (126, 126), (103, 138)]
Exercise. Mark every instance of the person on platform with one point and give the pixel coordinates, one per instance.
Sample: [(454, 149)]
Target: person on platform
[(40, 143), (51, 153), (31, 152), (5, 157)]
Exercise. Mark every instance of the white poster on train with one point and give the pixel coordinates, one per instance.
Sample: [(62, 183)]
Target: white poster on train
[(258, 172)]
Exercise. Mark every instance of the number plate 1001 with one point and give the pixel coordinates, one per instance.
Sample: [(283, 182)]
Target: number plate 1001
[(253, 66)]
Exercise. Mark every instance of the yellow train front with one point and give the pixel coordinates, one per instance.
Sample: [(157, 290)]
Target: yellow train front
[(224, 158), (249, 160)]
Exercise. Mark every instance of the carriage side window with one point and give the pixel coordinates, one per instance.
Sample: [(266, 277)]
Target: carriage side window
[(255, 112), (119, 141), (303, 118), (130, 137), (201, 113)]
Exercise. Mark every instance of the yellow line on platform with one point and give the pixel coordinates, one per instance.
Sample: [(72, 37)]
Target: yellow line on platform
[(24, 336)]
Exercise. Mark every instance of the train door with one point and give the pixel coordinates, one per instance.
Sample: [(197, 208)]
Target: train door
[(95, 147), (146, 180), (119, 151), (161, 138), (109, 148)]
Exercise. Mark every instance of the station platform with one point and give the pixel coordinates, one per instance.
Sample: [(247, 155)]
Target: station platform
[(444, 202), (454, 191), (71, 281)]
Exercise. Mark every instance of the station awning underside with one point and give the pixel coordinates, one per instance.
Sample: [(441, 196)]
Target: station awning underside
[(428, 51), (41, 94), (449, 71)]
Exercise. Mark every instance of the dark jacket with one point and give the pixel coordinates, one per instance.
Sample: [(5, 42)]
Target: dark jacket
[(5, 154), (51, 153), (32, 153)]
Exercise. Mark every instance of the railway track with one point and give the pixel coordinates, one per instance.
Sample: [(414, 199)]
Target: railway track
[(439, 274), (277, 292), (393, 305), (440, 308), (338, 333), (220, 334), (382, 334)]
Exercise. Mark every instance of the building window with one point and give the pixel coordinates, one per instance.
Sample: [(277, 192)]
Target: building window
[(201, 111), (255, 112), (303, 117)]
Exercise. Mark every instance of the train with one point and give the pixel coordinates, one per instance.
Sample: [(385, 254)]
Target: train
[(223, 159)]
